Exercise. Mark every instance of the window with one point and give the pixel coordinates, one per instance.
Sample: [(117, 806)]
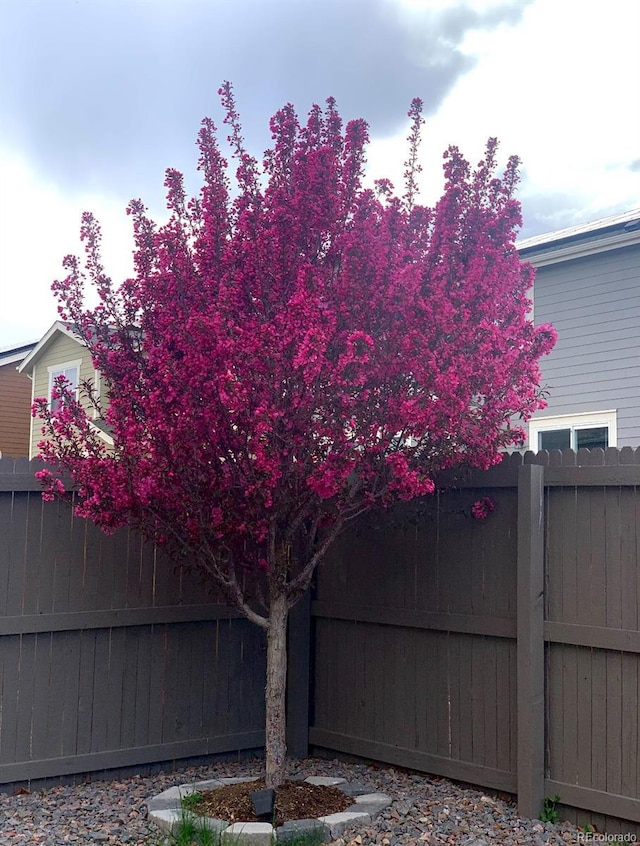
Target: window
[(71, 372), (574, 431)]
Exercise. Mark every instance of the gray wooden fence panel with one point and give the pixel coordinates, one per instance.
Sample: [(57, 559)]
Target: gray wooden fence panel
[(593, 544), (108, 657), (421, 617), (427, 686)]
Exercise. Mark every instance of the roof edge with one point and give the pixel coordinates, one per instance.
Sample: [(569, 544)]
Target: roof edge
[(566, 251), (43, 343), (618, 222), (12, 355)]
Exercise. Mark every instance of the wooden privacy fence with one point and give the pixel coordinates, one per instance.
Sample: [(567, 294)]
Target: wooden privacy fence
[(503, 652), (109, 658)]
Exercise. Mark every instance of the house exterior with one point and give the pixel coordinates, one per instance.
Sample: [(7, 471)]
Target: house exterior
[(588, 286), (15, 402), (59, 353)]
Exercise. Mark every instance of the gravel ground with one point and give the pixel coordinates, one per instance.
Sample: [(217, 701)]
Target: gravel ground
[(425, 812)]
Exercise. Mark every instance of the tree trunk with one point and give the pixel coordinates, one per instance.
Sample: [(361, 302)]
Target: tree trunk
[(275, 695)]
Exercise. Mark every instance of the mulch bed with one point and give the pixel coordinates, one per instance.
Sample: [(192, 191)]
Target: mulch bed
[(295, 800)]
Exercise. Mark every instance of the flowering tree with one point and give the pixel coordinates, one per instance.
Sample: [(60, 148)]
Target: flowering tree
[(291, 355)]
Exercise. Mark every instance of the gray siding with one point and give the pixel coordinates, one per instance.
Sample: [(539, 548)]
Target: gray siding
[(594, 303)]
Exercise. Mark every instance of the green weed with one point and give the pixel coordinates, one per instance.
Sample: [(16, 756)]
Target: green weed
[(549, 811), (189, 831), (190, 800)]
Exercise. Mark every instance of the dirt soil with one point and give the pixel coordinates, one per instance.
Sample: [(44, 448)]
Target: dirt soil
[(295, 800)]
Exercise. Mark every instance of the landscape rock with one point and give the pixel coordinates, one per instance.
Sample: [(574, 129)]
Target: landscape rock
[(337, 823), (295, 829), (68, 814)]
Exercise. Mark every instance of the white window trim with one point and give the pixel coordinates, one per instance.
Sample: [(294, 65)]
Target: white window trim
[(585, 420), (56, 368)]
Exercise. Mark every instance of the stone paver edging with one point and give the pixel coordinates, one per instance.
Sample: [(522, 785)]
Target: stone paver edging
[(166, 811)]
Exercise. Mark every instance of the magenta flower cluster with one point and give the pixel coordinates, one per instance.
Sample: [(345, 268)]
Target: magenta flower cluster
[(481, 508)]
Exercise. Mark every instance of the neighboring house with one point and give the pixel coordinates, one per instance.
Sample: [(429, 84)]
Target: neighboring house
[(588, 286), (59, 353), (15, 403)]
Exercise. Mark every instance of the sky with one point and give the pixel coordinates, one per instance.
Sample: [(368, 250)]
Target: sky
[(98, 97)]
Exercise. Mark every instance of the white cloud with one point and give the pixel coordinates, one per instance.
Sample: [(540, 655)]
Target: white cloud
[(38, 227), (558, 89)]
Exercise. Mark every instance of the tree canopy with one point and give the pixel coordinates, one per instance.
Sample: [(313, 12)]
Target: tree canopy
[(295, 351)]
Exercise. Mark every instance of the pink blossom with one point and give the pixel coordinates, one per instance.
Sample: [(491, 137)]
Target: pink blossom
[(481, 508)]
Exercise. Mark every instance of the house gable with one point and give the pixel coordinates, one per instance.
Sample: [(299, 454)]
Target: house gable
[(58, 349)]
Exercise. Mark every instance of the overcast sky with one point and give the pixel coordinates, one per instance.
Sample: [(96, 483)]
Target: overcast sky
[(97, 97)]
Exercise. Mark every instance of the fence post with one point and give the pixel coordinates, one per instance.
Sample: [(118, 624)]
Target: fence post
[(530, 649), (298, 654)]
